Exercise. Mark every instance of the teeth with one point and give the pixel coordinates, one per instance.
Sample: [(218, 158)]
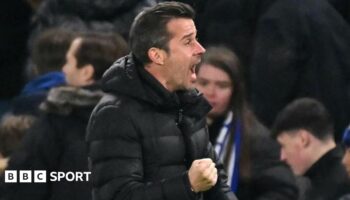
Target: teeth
[(193, 68)]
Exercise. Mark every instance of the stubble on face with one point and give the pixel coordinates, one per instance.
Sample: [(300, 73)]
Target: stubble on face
[(184, 54)]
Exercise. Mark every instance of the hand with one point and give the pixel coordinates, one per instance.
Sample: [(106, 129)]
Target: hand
[(202, 175)]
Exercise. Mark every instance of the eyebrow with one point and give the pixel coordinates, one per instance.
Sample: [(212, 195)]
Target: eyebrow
[(188, 35)]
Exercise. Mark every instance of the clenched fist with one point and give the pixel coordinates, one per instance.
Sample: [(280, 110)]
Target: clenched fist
[(202, 175)]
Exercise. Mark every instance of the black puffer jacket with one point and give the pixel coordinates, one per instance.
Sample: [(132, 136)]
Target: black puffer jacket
[(143, 139)]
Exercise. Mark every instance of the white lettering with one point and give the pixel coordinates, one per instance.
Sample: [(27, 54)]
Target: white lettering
[(53, 176), (39, 176), (25, 176), (10, 176)]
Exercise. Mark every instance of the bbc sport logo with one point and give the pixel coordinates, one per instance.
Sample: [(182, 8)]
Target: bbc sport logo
[(40, 176)]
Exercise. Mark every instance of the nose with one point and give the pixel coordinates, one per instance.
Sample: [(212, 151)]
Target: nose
[(209, 92), (199, 49), (282, 156)]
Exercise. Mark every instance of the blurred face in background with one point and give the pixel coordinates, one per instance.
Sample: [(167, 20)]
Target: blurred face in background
[(217, 88), (293, 152), (76, 76), (346, 160)]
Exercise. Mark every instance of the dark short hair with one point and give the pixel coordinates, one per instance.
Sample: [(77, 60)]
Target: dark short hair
[(149, 28), (304, 113), (100, 50), (50, 48)]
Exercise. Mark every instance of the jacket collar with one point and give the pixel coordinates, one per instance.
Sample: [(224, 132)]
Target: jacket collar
[(64, 100), (128, 77), (321, 167)]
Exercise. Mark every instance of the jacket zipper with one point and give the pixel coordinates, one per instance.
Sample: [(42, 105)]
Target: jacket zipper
[(179, 116)]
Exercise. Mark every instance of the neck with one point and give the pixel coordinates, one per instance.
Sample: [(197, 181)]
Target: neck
[(86, 83), (321, 148), (156, 72)]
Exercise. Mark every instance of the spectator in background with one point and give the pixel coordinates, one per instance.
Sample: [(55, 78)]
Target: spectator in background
[(12, 130), (301, 50), (55, 13), (48, 55), (87, 15), (243, 144), (288, 49), (305, 133), (56, 142)]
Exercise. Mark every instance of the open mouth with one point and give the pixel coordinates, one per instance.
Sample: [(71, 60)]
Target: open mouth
[(193, 73), (193, 68)]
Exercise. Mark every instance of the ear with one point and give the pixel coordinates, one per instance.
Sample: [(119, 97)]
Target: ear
[(88, 72), (156, 55), (305, 137)]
